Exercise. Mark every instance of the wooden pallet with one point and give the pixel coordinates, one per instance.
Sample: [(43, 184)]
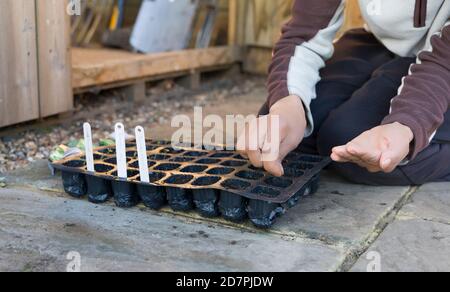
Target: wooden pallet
[(95, 69)]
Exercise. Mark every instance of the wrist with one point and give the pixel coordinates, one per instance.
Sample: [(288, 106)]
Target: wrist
[(289, 103), (406, 131)]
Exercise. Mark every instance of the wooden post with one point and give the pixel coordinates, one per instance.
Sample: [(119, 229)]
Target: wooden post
[(18, 67), (135, 92), (54, 57)]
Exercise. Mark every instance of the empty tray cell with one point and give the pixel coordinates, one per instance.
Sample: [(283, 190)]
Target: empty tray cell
[(266, 192), (264, 214), (109, 151), (182, 159), (254, 168), (153, 197), (222, 155), (135, 164), (240, 157), (132, 154), (220, 171), (311, 159), (158, 157), (75, 164), (160, 143), (207, 202), (151, 147), (131, 173), (293, 172), (250, 175), (278, 182), (98, 156), (234, 163), (233, 207), (156, 176), (171, 151), (300, 165), (125, 194), (180, 199), (74, 184), (167, 167), (206, 181), (103, 168), (235, 184), (194, 169), (113, 160), (208, 161), (179, 179), (195, 154), (98, 189)]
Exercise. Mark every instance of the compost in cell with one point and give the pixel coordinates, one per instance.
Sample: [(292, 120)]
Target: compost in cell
[(109, 151), (135, 164), (222, 155), (195, 154), (234, 163), (130, 173), (208, 161), (167, 166), (206, 181), (103, 168), (182, 159), (179, 179), (194, 169), (235, 184), (171, 151), (278, 182), (250, 175), (220, 171), (75, 164), (159, 157), (113, 160)]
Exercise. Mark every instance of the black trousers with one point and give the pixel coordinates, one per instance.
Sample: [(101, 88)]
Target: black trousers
[(354, 96)]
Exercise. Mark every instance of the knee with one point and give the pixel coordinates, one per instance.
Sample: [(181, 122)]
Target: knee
[(339, 129)]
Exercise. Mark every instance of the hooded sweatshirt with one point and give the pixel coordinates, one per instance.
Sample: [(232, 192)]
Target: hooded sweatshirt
[(408, 28)]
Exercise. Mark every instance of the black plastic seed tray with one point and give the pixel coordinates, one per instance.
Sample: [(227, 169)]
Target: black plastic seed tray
[(213, 182)]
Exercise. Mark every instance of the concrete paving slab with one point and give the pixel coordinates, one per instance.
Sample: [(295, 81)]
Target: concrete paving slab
[(430, 202), (341, 212), (37, 231), (410, 245)]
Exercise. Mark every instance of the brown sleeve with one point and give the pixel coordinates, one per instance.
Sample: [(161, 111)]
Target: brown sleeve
[(308, 18), (425, 95)]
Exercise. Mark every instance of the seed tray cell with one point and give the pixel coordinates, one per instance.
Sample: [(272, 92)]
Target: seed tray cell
[(212, 182)]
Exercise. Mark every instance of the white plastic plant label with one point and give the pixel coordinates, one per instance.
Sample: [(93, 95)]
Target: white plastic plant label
[(89, 149), (121, 154), (142, 154)]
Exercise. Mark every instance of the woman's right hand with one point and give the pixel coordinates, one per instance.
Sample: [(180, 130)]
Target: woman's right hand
[(257, 141)]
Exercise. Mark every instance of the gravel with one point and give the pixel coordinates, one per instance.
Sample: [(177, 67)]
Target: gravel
[(165, 99)]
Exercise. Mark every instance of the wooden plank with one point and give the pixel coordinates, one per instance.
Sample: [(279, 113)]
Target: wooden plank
[(232, 22), (55, 82), (96, 67), (18, 67)]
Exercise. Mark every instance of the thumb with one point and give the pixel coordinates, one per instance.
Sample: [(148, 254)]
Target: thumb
[(390, 159), (276, 167)]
